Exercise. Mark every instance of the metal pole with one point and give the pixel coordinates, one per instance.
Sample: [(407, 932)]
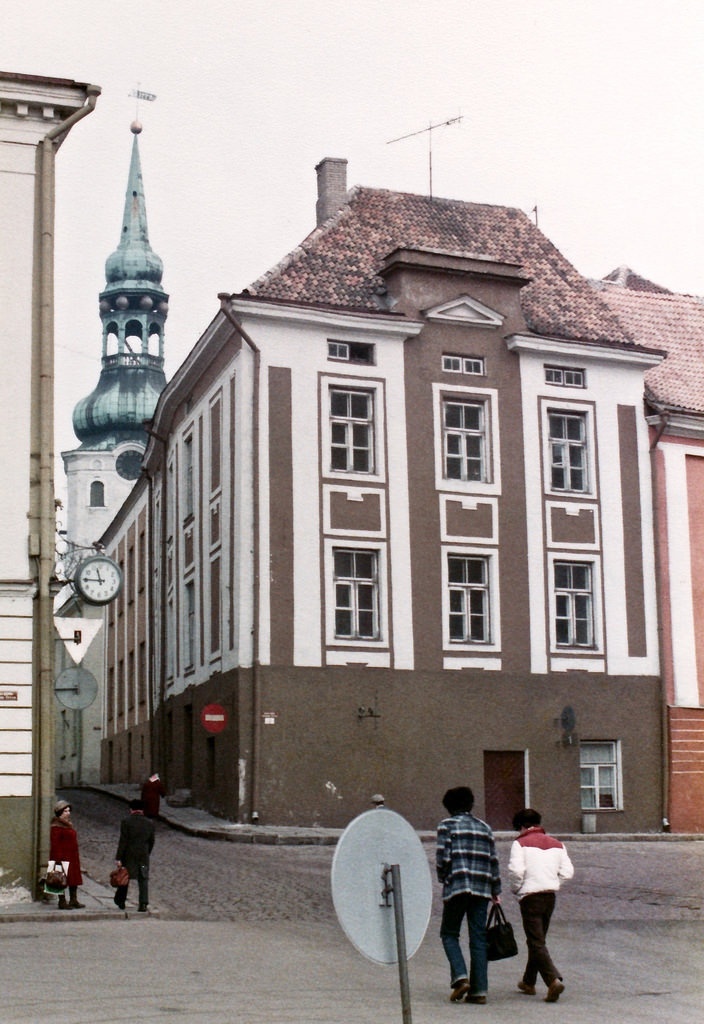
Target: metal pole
[(401, 944)]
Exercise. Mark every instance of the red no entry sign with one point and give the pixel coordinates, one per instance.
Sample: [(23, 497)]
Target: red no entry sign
[(213, 717)]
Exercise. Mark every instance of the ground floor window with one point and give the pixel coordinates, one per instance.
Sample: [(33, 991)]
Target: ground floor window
[(600, 771)]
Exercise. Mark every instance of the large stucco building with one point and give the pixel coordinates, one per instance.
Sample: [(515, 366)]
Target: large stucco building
[(396, 522), (36, 114)]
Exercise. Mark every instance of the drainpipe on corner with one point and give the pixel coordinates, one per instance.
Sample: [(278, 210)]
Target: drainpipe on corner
[(664, 713), (43, 512), (256, 679)]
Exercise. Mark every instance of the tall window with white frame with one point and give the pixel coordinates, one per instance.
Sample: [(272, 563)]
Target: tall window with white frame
[(464, 440), (574, 605), (568, 451), (189, 652), (351, 431), (469, 604), (188, 477), (600, 775), (356, 580)]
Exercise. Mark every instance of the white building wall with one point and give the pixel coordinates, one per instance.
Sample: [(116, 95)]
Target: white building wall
[(613, 379)]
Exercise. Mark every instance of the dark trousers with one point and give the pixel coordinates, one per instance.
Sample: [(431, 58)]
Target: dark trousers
[(536, 911), (143, 883)]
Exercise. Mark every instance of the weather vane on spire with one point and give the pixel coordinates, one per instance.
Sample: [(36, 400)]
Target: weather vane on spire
[(138, 95)]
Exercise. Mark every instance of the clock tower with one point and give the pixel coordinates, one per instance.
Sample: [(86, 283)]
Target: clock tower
[(109, 422)]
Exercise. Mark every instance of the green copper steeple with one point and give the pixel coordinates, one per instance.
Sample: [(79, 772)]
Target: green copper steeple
[(133, 309)]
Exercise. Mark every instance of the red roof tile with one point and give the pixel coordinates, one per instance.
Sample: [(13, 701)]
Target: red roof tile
[(337, 265), (667, 321)]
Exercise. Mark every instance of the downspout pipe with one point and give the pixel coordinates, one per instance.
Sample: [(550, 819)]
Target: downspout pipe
[(256, 674), (657, 476), (43, 513), (157, 674)]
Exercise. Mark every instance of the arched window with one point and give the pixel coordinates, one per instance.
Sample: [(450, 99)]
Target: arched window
[(97, 494)]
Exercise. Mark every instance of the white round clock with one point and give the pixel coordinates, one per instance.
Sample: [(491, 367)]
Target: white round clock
[(98, 579)]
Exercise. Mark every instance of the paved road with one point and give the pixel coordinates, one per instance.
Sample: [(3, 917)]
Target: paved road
[(210, 880), (248, 935)]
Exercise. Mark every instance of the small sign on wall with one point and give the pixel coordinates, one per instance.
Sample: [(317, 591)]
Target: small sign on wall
[(269, 717), (9, 695)]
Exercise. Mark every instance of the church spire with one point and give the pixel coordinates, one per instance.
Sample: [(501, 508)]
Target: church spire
[(134, 262), (133, 309)]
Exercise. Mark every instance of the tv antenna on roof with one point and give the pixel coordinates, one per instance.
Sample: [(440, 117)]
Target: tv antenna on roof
[(430, 129)]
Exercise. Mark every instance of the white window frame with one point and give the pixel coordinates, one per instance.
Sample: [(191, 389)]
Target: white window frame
[(565, 376), (614, 764), (491, 558), (355, 584), (188, 481), (586, 413), (465, 435), (189, 625), (354, 544), (346, 352), (375, 389), (594, 563), (472, 365), (492, 446)]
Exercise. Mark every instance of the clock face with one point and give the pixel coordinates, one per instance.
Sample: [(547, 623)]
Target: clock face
[(129, 463), (98, 579)]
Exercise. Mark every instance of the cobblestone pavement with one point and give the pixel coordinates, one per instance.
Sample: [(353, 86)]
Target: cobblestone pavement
[(246, 934), (193, 877)]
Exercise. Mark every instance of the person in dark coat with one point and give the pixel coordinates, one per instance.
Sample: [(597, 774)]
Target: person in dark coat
[(133, 851), (63, 846), (152, 792)]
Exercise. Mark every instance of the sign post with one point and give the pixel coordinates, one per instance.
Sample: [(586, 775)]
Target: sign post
[(375, 846)]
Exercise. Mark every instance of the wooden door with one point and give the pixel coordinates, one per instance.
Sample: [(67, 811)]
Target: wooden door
[(504, 786)]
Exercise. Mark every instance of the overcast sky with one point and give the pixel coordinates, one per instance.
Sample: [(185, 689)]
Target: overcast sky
[(591, 110)]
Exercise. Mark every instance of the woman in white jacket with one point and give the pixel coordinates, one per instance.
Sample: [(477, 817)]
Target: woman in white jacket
[(537, 866)]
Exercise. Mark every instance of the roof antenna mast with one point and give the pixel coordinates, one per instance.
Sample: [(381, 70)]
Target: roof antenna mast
[(430, 129)]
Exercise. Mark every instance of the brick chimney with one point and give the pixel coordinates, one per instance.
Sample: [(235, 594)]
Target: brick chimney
[(332, 187)]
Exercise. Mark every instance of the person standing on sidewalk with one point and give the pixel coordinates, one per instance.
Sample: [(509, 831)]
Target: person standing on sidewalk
[(63, 846), (152, 792), (537, 866), (133, 851), (468, 868)]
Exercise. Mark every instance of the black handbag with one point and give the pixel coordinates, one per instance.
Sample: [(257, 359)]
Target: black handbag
[(500, 940)]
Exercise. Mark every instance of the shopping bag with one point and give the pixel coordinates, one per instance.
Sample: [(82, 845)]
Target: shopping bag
[(500, 940), (55, 880)]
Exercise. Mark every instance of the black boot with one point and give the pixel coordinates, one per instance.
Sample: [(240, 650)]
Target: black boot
[(73, 901), (63, 905)]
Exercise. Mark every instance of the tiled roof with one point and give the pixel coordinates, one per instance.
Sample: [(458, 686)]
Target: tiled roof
[(667, 321), (337, 265), (628, 278)]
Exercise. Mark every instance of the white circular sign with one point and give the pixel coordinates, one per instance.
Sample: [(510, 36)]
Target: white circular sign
[(372, 842), (76, 688)]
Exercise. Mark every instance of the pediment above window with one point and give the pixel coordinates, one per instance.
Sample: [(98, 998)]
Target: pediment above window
[(465, 310)]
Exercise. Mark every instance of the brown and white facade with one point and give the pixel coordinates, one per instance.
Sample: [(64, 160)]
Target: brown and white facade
[(675, 412), (398, 509)]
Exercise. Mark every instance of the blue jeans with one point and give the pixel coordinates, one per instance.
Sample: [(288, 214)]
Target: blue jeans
[(454, 911)]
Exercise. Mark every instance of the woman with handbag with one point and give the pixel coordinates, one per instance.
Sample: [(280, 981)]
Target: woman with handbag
[(63, 846)]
